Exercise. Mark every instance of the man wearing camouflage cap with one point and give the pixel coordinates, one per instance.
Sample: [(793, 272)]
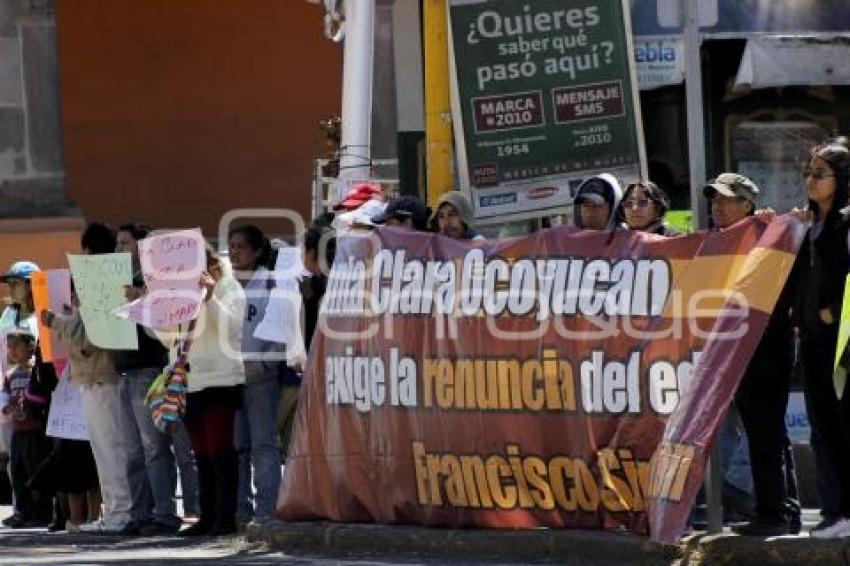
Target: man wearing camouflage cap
[(732, 198), (762, 395)]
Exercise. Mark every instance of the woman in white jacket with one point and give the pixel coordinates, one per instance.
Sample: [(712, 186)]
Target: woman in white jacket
[(216, 379)]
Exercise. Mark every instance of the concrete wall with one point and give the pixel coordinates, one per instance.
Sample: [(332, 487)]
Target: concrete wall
[(31, 168), (177, 112)]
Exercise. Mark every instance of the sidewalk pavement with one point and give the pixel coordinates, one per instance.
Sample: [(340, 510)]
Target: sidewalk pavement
[(541, 545)]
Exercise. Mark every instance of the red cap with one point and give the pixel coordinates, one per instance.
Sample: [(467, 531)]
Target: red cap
[(360, 194)]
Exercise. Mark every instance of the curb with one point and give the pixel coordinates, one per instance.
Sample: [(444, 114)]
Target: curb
[(538, 545), (728, 549)]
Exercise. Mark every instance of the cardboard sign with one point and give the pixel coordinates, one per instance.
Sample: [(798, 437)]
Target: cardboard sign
[(100, 282), (51, 290)]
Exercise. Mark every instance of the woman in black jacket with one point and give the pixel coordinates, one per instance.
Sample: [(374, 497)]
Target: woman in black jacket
[(818, 281)]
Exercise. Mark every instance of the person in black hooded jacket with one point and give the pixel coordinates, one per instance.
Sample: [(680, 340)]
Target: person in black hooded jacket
[(818, 278), (596, 203)]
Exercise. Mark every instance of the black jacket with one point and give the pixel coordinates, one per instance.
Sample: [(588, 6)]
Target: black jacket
[(151, 354), (818, 279)]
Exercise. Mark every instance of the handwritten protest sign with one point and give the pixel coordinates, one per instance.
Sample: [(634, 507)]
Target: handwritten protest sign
[(171, 265), (51, 290), (66, 418), (100, 281)]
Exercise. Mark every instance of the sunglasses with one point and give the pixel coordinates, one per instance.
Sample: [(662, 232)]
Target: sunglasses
[(817, 175), (637, 203)]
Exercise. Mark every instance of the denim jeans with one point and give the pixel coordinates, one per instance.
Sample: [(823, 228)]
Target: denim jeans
[(150, 465), (256, 441), (734, 453)]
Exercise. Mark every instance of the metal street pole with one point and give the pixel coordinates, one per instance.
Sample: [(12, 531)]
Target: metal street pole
[(696, 123), (356, 135), (696, 160)]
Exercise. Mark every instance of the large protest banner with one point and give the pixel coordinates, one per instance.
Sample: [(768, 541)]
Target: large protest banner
[(545, 96), (528, 382)]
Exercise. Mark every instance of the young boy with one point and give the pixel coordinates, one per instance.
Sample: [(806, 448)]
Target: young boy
[(30, 446)]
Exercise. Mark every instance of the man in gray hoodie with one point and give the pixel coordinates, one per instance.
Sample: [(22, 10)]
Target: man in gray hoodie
[(596, 201), (453, 217)]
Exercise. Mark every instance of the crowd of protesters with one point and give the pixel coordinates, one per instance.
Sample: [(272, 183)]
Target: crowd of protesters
[(240, 409)]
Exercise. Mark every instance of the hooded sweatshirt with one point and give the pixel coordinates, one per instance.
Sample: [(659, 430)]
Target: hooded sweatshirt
[(611, 191), (464, 209)]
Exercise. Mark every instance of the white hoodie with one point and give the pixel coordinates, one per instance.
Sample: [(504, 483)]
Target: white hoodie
[(215, 356), (614, 195)]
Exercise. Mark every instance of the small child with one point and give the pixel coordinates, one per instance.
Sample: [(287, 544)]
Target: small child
[(30, 445)]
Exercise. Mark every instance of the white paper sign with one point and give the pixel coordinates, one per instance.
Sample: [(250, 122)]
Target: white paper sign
[(289, 264), (66, 418), (283, 311), (282, 320)]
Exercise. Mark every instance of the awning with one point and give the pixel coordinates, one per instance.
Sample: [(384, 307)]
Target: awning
[(777, 61)]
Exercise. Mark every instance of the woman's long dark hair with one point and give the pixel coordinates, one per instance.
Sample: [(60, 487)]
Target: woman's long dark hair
[(655, 193), (837, 157), (258, 241)]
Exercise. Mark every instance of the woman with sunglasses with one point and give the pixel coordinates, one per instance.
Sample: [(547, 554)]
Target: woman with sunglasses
[(643, 207), (818, 289)]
